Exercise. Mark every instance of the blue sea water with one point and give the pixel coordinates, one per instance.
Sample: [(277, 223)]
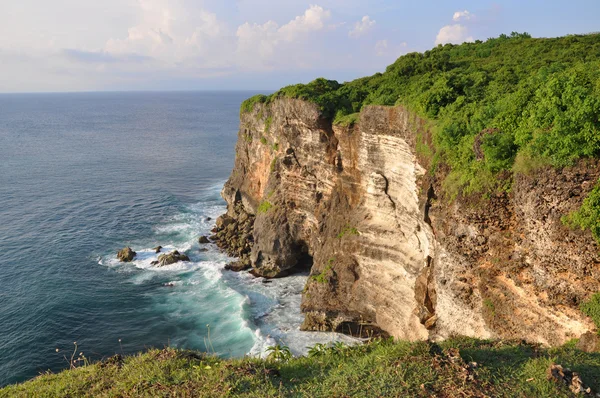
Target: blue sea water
[(83, 175)]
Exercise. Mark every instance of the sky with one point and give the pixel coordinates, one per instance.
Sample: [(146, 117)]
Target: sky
[(121, 45)]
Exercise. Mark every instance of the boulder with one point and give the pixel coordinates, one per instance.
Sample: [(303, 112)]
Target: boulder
[(203, 240), (589, 342), (126, 255), (224, 221), (238, 266), (157, 249), (154, 263), (203, 250), (171, 258)]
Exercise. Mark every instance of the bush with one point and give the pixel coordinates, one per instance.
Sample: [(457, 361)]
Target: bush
[(588, 216), (592, 309)]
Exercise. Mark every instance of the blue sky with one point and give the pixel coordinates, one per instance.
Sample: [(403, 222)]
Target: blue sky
[(85, 45)]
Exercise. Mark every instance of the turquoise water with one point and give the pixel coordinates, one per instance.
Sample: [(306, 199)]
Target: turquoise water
[(83, 175)]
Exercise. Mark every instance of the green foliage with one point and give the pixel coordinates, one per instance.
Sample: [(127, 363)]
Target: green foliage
[(264, 207), (588, 216), (348, 230), (322, 277), (263, 140), (318, 350), (279, 353), (592, 309), (273, 164), (381, 368), (489, 304), (268, 123), (248, 105), (275, 147), (346, 120)]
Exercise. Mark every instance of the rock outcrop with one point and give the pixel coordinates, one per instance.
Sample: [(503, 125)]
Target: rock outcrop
[(126, 255), (171, 258), (388, 251)]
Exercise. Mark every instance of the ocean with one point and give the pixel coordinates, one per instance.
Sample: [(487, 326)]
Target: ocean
[(84, 175)]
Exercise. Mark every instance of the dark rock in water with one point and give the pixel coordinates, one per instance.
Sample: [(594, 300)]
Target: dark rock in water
[(157, 249), (238, 266), (203, 240), (214, 237), (203, 249), (170, 284), (589, 342), (208, 218), (171, 258), (267, 281), (126, 255), (154, 263)]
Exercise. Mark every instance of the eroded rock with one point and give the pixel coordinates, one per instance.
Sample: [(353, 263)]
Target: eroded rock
[(171, 258), (126, 255)]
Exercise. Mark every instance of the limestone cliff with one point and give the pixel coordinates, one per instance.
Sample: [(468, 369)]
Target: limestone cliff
[(388, 251)]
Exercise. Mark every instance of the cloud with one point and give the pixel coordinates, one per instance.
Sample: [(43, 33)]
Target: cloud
[(462, 16), (102, 57), (263, 45), (455, 34), (313, 20), (362, 27), (381, 48)]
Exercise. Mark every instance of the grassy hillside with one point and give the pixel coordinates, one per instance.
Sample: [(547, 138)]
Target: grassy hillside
[(380, 368), (509, 104)]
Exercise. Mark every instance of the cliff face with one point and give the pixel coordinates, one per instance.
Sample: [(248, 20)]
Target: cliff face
[(387, 253)]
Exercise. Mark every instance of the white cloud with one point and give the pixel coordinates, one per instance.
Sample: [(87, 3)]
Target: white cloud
[(313, 20), (258, 44), (381, 48), (362, 27), (455, 34), (462, 16)]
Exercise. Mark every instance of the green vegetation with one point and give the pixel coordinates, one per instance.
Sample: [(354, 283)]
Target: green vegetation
[(509, 104), (592, 309), (348, 230), (489, 304), (250, 103), (273, 164), (264, 207), (268, 124), (322, 277), (248, 138), (588, 215), (263, 140), (381, 368), (347, 120), (275, 147)]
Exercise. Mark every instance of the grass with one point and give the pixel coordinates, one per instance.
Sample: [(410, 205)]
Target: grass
[(264, 207), (380, 368)]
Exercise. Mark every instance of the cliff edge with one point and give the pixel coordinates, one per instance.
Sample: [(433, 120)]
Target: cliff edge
[(453, 218)]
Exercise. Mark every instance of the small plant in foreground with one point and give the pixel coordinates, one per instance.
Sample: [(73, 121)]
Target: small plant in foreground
[(279, 353), (318, 350)]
